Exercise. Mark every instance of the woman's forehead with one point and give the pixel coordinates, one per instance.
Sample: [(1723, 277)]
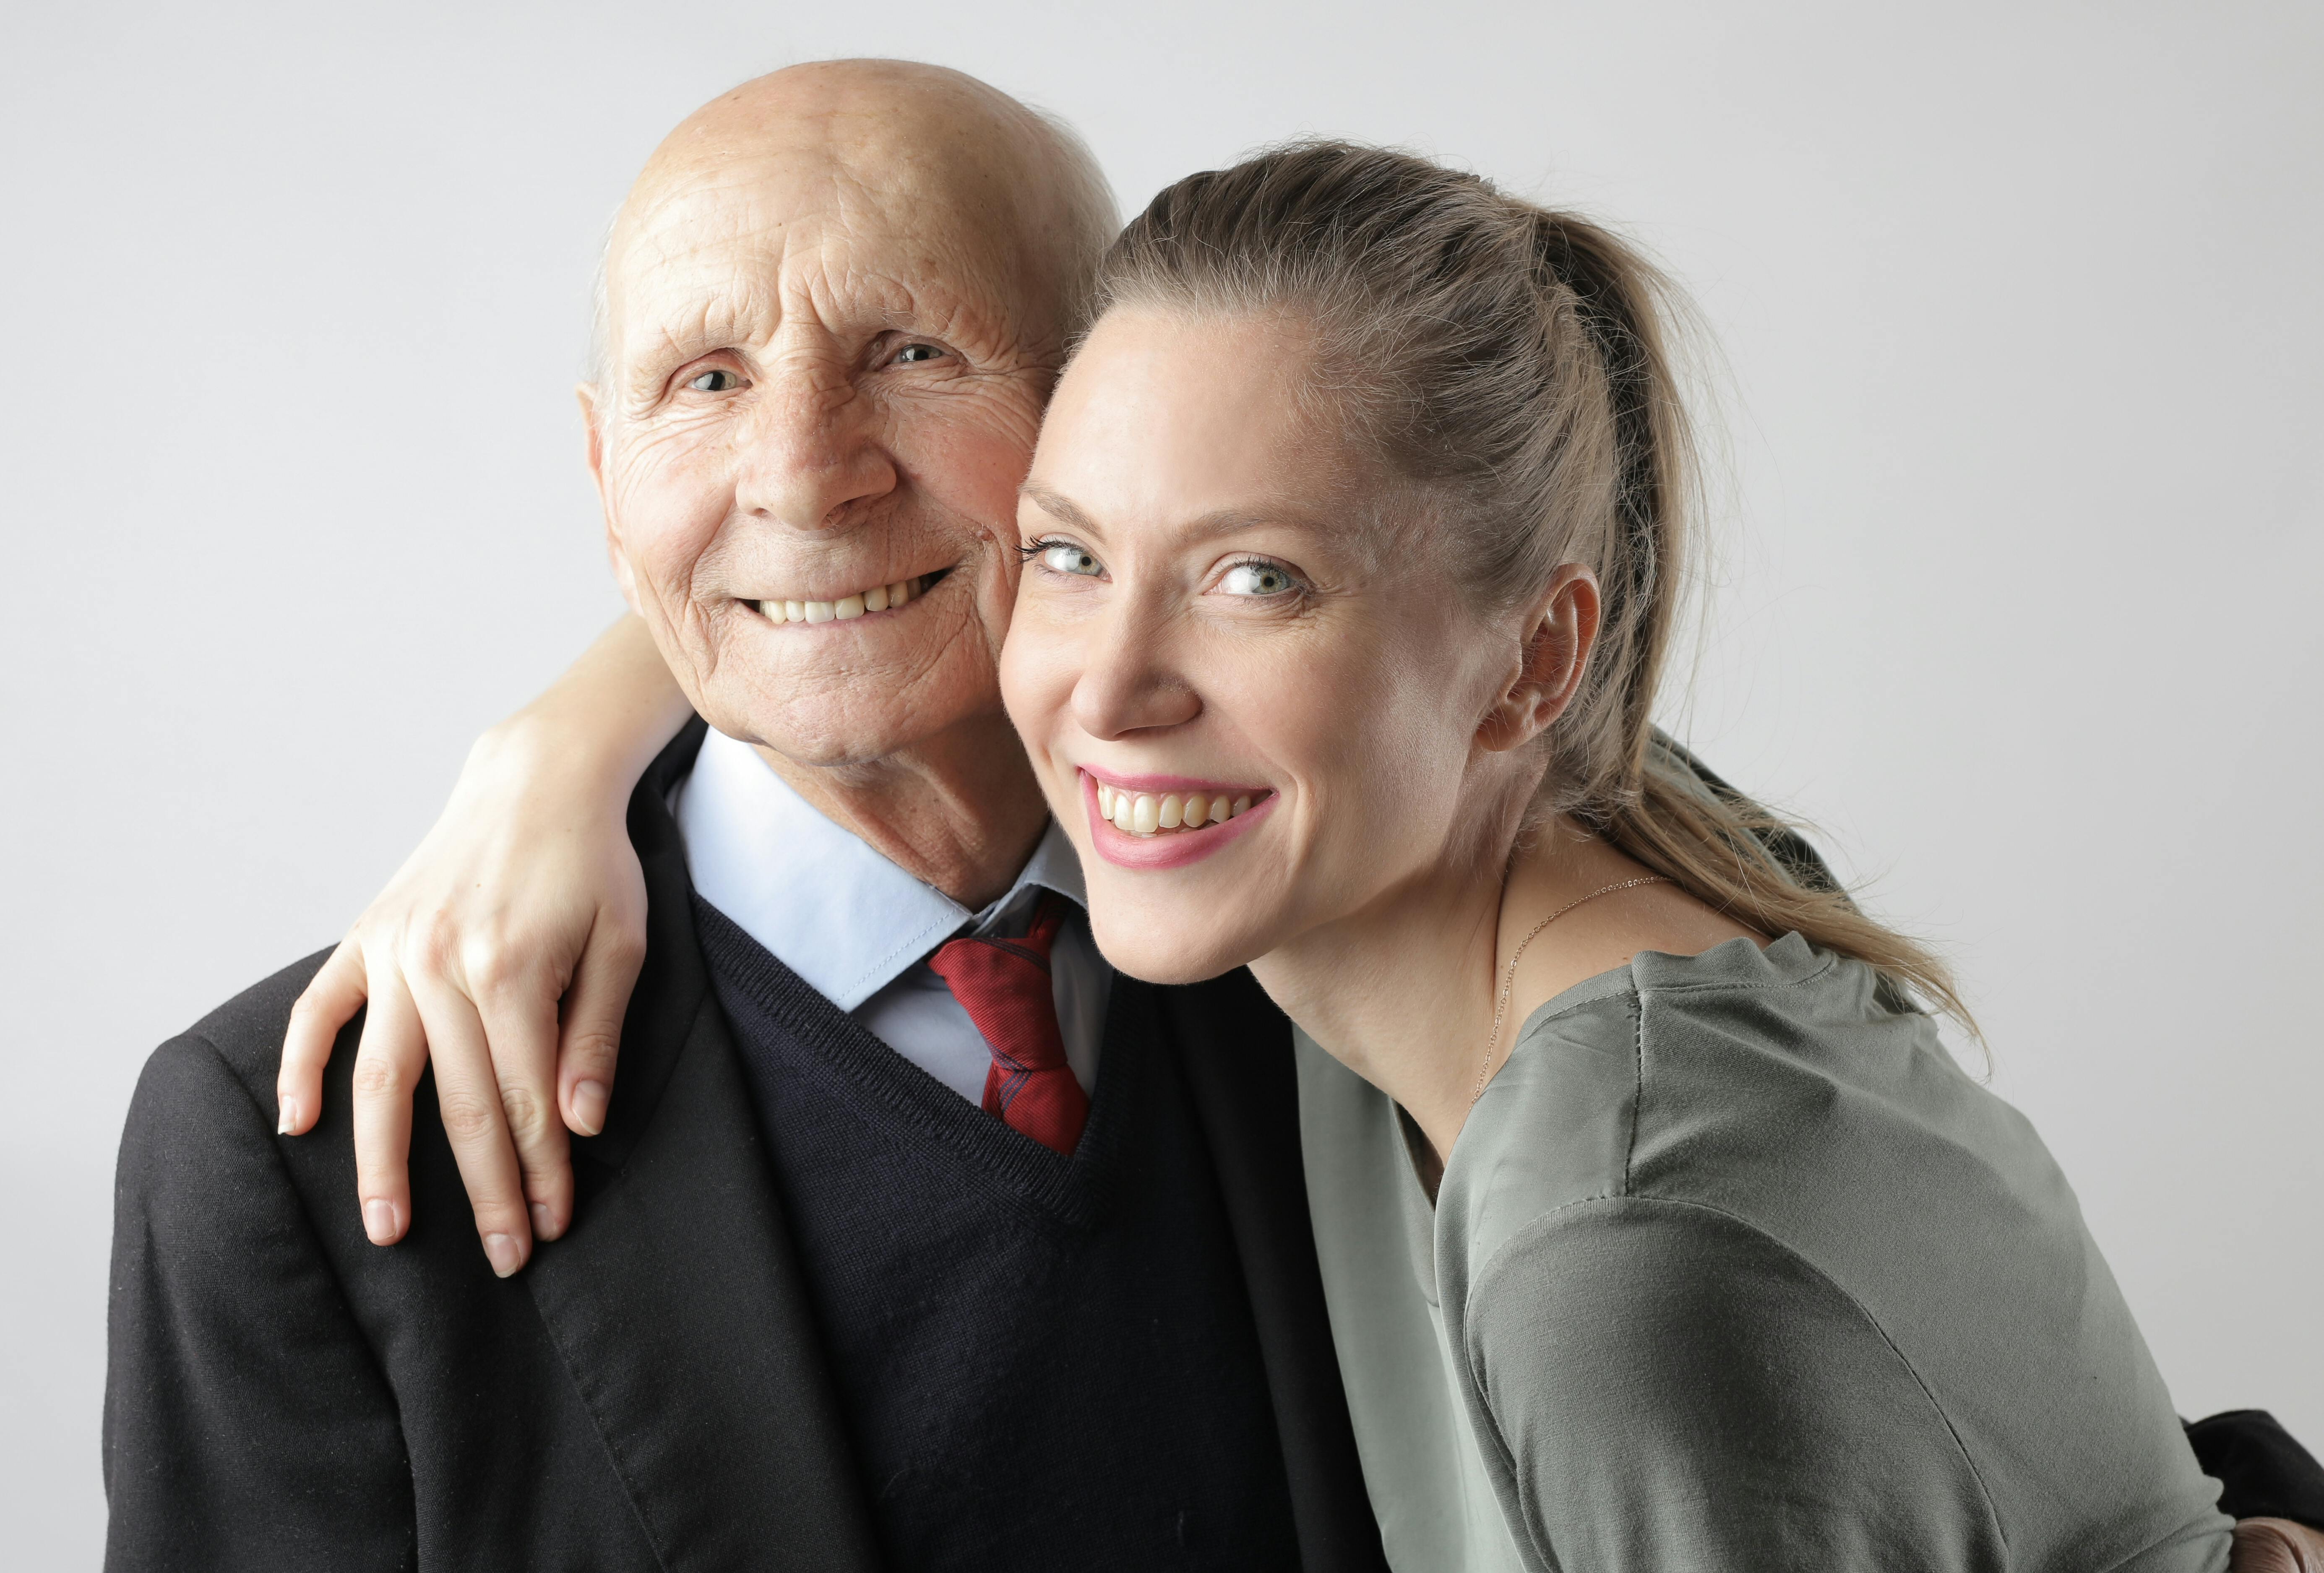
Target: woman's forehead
[(1202, 396)]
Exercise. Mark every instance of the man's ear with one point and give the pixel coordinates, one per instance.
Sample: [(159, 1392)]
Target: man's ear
[(614, 556), (594, 434), (1558, 629)]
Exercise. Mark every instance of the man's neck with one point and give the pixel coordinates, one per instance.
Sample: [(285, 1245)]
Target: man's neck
[(960, 811)]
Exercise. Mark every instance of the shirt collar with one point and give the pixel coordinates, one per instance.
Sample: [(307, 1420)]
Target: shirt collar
[(818, 896)]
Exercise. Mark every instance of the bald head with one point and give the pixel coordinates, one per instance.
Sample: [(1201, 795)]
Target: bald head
[(835, 303), (1011, 198)]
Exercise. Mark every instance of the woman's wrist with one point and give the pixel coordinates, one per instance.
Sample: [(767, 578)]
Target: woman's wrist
[(537, 747), (595, 730)]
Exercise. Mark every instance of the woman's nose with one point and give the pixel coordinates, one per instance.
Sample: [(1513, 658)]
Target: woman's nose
[(809, 450), (1131, 680)]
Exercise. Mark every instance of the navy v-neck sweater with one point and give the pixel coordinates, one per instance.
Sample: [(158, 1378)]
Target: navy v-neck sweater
[(1045, 1362)]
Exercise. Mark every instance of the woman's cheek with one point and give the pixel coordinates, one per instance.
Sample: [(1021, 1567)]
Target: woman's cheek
[(1037, 677)]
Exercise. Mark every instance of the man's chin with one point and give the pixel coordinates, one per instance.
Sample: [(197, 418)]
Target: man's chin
[(850, 733), (844, 690)]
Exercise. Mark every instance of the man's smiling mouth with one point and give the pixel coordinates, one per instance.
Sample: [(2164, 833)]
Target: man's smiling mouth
[(847, 608)]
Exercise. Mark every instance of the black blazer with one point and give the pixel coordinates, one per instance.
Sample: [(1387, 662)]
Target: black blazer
[(648, 1393)]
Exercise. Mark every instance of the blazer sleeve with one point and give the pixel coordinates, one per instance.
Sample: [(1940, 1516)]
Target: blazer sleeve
[(1668, 1387), (247, 1425)]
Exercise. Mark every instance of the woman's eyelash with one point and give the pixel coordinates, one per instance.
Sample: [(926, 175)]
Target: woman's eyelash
[(1298, 587)]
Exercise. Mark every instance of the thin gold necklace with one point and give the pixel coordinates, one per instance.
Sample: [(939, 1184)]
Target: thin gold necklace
[(1510, 978)]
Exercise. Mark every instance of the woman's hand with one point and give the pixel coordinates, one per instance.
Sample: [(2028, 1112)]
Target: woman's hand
[(524, 897), (2276, 1545), (525, 894)]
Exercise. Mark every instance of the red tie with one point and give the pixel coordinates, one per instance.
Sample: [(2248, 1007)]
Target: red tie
[(1004, 987)]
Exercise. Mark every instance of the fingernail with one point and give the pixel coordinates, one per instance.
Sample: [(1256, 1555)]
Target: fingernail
[(379, 1221), (504, 1254), (589, 1100), (287, 1118), (541, 1226)]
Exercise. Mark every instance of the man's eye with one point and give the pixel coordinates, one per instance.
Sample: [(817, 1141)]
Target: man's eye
[(1061, 558), (912, 355), (1258, 579), (715, 381)]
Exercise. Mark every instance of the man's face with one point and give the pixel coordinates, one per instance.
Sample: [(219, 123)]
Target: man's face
[(824, 379)]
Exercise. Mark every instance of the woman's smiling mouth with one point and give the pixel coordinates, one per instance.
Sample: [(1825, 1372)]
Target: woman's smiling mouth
[(1167, 823)]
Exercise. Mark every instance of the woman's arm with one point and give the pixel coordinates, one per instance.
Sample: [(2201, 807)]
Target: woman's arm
[(525, 895), (1660, 1385)]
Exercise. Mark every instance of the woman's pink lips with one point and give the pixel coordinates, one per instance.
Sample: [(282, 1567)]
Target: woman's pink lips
[(1171, 848), (1156, 784)]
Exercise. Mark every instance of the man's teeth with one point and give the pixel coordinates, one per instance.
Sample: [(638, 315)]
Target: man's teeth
[(1145, 813), (878, 597)]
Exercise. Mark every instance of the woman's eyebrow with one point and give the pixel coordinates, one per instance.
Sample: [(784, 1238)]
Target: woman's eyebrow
[(1218, 522), (1057, 506)]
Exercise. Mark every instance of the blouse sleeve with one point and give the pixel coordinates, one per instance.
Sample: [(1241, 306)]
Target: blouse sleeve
[(1669, 1387)]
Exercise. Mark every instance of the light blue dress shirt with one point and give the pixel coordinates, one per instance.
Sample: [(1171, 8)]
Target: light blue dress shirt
[(859, 930)]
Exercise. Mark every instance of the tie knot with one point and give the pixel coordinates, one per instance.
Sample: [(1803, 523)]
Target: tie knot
[(1004, 986), (1032, 948)]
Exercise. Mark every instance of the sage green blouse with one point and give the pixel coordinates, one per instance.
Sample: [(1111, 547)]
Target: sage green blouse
[(1733, 1267)]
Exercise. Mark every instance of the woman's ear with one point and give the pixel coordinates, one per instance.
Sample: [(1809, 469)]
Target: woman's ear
[(1558, 632)]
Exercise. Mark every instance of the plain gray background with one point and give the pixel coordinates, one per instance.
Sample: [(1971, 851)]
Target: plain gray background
[(2017, 603)]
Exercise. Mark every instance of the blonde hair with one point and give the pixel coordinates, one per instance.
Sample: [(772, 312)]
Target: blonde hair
[(1508, 364)]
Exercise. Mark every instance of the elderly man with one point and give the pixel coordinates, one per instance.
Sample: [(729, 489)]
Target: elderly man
[(867, 1264), (816, 1308)]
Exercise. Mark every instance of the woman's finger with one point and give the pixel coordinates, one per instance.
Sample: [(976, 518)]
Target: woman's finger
[(388, 1061), (518, 1019), (590, 1041), (468, 1099), (330, 1000), (2276, 1545)]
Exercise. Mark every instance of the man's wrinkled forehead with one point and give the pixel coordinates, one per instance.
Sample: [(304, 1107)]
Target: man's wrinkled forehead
[(728, 241)]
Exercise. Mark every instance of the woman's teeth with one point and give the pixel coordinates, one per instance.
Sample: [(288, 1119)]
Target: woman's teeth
[(1145, 813), (878, 597)]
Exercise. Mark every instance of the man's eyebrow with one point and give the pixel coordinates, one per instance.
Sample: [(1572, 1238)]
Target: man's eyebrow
[(1218, 522)]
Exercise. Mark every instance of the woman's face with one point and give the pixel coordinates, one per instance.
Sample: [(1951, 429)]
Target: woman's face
[(1212, 629)]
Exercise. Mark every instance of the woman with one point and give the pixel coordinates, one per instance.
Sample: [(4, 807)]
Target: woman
[(1659, 1229)]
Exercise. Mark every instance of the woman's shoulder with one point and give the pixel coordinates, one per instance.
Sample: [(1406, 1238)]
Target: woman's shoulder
[(1757, 1142), (1768, 1081)]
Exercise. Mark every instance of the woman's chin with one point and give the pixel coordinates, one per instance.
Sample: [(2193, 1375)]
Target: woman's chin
[(1159, 952)]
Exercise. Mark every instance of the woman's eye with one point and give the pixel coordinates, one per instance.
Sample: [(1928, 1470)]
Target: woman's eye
[(1061, 558), (912, 355), (1258, 579), (714, 382)]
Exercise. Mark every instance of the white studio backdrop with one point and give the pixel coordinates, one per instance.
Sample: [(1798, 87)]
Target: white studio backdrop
[(2015, 599)]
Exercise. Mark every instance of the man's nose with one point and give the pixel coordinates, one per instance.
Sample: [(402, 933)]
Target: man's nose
[(1131, 681), (811, 449)]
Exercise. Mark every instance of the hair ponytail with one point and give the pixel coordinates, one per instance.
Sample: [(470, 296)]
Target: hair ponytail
[(1663, 809), (1508, 364), (1732, 854)]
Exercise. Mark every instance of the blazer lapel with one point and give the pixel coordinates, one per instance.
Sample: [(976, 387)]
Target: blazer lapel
[(1235, 1048), (674, 1299)]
